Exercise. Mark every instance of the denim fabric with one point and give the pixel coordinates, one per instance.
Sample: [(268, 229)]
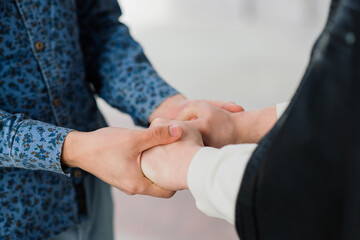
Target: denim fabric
[(55, 56), (302, 182)]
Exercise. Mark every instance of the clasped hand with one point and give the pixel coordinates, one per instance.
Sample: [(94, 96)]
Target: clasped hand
[(167, 165), (113, 154), (152, 161)]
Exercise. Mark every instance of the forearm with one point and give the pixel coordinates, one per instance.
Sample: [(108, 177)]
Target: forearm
[(253, 125), (30, 144), (116, 64), (132, 85), (72, 151), (214, 178)]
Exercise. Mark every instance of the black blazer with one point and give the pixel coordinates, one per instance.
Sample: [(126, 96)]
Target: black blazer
[(303, 180)]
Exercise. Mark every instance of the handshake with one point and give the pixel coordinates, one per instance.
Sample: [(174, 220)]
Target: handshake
[(155, 161)]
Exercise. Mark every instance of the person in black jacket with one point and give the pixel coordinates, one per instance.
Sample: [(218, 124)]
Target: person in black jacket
[(303, 179)]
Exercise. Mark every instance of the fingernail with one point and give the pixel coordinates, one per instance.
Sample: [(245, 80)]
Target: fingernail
[(174, 130)]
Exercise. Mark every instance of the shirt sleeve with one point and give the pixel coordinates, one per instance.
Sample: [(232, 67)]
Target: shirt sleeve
[(116, 64), (214, 178), (215, 175), (30, 144), (280, 108)]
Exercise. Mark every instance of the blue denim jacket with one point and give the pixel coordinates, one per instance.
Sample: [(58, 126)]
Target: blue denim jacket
[(55, 55)]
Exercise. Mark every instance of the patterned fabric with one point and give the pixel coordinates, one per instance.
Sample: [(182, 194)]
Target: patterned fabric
[(55, 55)]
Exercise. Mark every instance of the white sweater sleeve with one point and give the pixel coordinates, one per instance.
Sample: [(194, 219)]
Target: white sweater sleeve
[(214, 178), (215, 175), (280, 109)]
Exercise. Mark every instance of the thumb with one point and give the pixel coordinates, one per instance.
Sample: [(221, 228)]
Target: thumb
[(160, 135)]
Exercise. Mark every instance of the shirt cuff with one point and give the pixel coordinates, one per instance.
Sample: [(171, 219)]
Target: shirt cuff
[(280, 109), (37, 146), (214, 178)]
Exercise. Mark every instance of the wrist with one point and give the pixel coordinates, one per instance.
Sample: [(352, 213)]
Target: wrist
[(71, 152), (252, 126), (184, 176), (266, 119), (243, 127)]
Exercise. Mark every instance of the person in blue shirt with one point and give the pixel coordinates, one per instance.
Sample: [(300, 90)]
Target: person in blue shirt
[(55, 57)]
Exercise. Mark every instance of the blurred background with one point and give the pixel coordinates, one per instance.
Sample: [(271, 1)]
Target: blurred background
[(253, 52)]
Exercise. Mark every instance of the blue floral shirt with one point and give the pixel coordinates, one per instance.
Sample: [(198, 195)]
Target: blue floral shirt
[(55, 56)]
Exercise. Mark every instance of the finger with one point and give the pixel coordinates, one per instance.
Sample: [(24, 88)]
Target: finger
[(127, 192), (160, 135), (199, 124), (123, 190), (232, 107), (154, 190), (161, 122), (191, 112), (228, 106)]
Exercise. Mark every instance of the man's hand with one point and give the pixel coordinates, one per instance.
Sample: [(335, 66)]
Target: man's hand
[(219, 128), (113, 155), (167, 165), (175, 105)]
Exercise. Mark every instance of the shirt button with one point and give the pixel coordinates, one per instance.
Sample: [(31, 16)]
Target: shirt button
[(57, 102), (77, 173), (39, 46)]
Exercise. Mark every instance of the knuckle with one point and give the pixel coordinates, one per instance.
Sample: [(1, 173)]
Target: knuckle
[(156, 121), (207, 121), (132, 189), (138, 189), (156, 134), (192, 103)]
